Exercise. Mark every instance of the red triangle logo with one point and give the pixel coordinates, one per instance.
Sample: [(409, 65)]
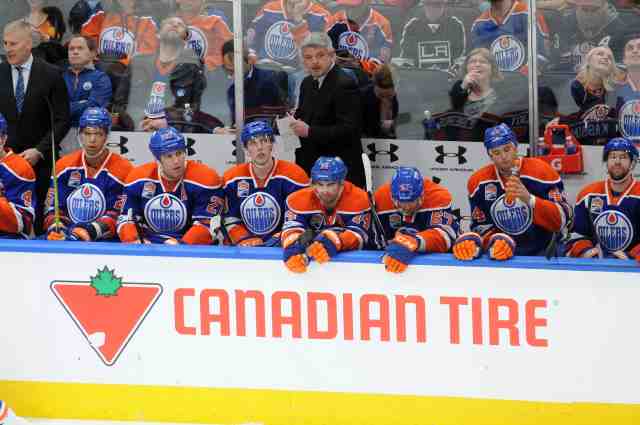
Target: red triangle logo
[(107, 322)]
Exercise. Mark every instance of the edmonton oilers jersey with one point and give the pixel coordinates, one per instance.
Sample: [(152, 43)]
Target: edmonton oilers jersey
[(276, 37), (352, 214), (366, 41), (257, 208), (628, 107), (507, 40), (433, 221), (206, 36), (614, 217), (85, 197), (17, 197), (163, 212), (530, 227), (159, 95)]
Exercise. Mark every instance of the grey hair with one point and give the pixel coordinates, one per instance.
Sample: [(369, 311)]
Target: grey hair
[(17, 25), (317, 39)]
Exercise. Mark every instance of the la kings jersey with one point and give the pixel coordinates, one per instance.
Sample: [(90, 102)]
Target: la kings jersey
[(433, 45)]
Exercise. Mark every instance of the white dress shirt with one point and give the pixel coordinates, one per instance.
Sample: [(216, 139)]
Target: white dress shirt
[(26, 72)]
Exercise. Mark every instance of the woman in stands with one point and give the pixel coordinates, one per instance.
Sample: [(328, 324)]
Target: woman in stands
[(595, 79), (380, 105)]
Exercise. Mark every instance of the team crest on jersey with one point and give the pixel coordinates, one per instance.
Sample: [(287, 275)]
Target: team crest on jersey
[(395, 220), (316, 221), (197, 41), (155, 104), (629, 119), (614, 230), (243, 189), (512, 216), (509, 52), (87, 86), (596, 205), (165, 213), (490, 192), (117, 42), (74, 179), (86, 204), (598, 112), (478, 215), (148, 190), (434, 54), (278, 42), (355, 44), (261, 213)]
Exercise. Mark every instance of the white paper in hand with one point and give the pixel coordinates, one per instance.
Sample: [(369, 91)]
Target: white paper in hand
[(288, 137)]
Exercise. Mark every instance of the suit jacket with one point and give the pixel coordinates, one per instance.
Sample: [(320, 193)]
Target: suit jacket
[(32, 128), (334, 116)]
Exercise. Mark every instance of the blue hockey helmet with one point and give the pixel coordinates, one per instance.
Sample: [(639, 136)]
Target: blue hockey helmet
[(328, 169), (620, 144), (406, 184), (4, 128), (166, 140), (255, 129), (96, 118), (499, 135)]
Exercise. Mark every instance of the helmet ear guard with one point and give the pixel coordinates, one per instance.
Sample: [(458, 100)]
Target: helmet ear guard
[(329, 169), (166, 140), (407, 184)]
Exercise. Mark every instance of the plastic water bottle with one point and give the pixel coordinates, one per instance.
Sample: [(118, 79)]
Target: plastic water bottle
[(188, 112), (430, 125), (569, 145), (543, 148)]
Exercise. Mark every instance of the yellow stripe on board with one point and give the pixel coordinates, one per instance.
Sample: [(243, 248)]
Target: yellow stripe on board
[(271, 407)]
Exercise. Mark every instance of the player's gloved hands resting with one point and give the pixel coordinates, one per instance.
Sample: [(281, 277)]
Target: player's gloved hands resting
[(400, 251), (58, 233), (501, 247), (468, 247), (84, 232), (325, 246), (251, 241), (273, 240), (294, 257)]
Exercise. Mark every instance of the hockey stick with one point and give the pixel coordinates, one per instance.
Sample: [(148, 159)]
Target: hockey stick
[(56, 200), (380, 238)]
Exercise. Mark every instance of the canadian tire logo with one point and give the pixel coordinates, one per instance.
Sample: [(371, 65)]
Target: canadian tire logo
[(107, 311)]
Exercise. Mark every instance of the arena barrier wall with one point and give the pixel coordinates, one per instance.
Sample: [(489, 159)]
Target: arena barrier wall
[(228, 335)]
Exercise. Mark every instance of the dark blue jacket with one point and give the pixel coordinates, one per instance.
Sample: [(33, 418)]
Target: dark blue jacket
[(90, 87)]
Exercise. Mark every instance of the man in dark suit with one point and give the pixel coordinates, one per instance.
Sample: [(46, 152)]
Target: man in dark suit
[(27, 86), (328, 118)]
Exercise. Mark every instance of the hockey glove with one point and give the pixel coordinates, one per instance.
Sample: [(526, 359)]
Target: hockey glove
[(251, 241), (87, 231), (294, 257), (468, 247), (273, 240), (325, 246), (400, 251), (501, 247), (57, 233)]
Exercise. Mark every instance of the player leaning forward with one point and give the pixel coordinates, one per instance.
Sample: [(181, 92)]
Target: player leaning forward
[(90, 182), (171, 200), (517, 204), (329, 217)]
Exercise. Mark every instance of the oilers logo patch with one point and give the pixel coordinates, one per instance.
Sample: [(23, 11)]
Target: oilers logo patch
[(278, 42), (513, 217), (509, 52), (395, 220), (243, 189), (74, 179), (629, 119), (261, 213), (165, 213), (614, 230), (87, 86), (86, 204), (490, 192), (197, 41), (596, 205), (355, 44), (117, 42)]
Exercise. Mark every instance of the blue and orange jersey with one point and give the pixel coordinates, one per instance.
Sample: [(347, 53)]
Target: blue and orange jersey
[(17, 197), (122, 36), (628, 109), (530, 225), (507, 38), (255, 208), (273, 35), (87, 195), (351, 218), (206, 36), (614, 217), (371, 39), (163, 210), (435, 225)]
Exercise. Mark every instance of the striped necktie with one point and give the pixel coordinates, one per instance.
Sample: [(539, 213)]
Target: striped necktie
[(19, 90)]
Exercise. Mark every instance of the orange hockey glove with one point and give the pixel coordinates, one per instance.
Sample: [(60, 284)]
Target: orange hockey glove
[(501, 247), (325, 246), (251, 241), (468, 247)]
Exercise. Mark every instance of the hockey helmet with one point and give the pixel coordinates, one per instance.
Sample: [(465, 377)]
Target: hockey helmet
[(328, 169), (4, 128), (499, 135), (166, 140), (256, 129), (96, 118), (406, 184), (620, 144)]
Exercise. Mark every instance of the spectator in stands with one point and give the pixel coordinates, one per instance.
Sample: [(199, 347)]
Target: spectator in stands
[(590, 24), (281, 25), (595, 79), (120, 33), (434, 39), (503, 30), (264, 90), (81, 12), (380, 105), (474, 94), (628, 90), (87, 86), (173, 77), (362, 30), (206, 33)]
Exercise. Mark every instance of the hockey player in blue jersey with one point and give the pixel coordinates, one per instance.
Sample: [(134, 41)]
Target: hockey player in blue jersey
[(607, 212), (90, 184), (256, 191), (17, 191), (171, 200), (416, 216)]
